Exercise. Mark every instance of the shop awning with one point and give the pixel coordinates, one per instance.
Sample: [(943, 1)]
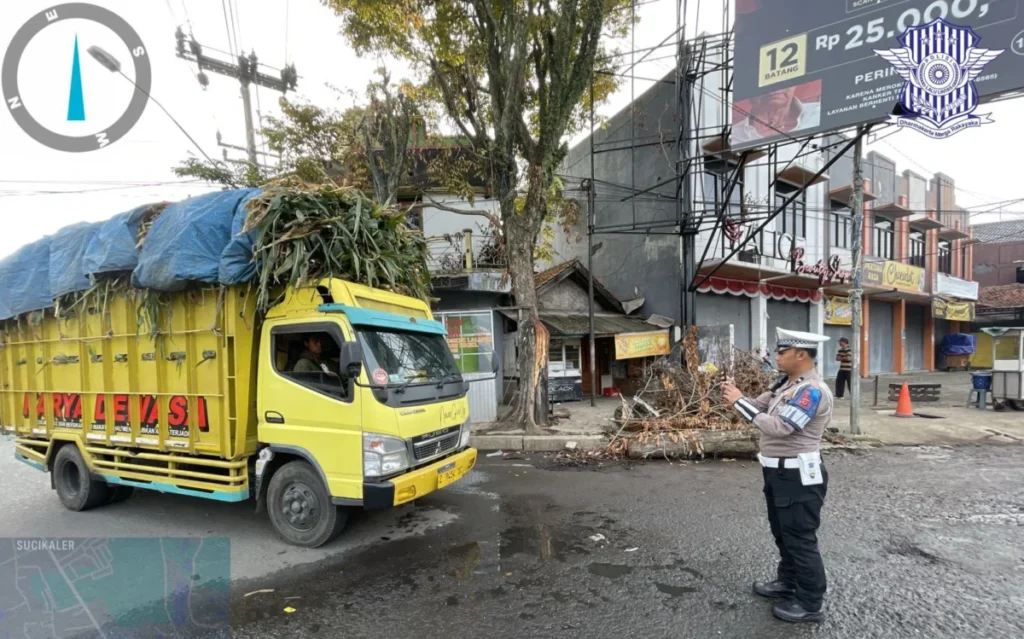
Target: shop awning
[(844, 196), (800, 176), (952, 234), (924, 224), (719, 145), (892, 212)]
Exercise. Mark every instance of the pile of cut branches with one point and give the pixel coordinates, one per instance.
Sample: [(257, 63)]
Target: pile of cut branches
[(680, 407), (306, 232)]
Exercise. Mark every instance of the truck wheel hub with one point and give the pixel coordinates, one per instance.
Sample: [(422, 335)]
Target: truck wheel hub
[(300, 506)]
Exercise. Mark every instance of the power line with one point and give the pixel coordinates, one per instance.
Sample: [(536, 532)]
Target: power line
[(227, 27), (236, 27), (10, 193), (188, 20), (287, 14)]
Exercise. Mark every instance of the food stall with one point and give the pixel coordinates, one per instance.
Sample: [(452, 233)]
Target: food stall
[(1007, 366), (957, 349)]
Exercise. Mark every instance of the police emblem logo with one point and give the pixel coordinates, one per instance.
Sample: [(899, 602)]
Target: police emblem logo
[(939, 63)]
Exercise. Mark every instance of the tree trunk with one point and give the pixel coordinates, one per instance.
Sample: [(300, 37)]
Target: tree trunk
[(697, 443), (530, 405)]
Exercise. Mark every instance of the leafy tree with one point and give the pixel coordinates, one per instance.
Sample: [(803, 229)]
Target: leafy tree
[(514, 79), (363, 146), (219, 172)]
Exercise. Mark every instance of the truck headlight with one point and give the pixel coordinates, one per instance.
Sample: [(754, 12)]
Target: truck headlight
[(383, 455), (464, 439)]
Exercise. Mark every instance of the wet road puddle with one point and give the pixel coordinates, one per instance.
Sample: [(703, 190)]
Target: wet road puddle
[(545, 542), (609, 571), (675, 591)]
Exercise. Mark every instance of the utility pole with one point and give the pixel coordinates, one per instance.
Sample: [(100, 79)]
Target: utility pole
[(591, 201), (246, 70), (591, 216), (857, 203)]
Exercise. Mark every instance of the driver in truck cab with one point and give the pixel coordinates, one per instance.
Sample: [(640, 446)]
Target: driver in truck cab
[(310, 361)]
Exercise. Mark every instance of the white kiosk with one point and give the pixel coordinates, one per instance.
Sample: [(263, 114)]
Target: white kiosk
[(1008, 365)]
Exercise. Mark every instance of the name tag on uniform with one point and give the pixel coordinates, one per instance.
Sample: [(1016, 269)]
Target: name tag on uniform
[(810, 468)]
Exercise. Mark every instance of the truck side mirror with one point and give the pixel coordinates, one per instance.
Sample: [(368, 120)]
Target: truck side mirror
[(494, 364), (351, 360)]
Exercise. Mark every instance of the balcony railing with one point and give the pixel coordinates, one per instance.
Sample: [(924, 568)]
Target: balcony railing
[(466, 251), (766, 244), (916, 257), (840, 229), (882, 243)]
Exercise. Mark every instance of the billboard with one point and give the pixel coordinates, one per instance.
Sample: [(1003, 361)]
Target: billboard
[(808, 66)]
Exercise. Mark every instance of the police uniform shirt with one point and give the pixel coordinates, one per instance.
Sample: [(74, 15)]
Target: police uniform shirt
[(792, 417)]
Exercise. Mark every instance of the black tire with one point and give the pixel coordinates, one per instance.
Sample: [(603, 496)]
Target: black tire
[(75, 486), (300, 507), (1016, 404), (119, 493)]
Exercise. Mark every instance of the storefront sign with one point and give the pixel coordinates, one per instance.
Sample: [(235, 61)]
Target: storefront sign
[(838, 311), (895, 275), (953, 311), (630, 345), (830, 273), (955, 287)]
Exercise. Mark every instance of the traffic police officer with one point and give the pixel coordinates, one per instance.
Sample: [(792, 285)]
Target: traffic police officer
[(792, 417)]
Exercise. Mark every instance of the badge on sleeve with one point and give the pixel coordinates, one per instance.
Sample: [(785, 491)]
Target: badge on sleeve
[(801, 409)]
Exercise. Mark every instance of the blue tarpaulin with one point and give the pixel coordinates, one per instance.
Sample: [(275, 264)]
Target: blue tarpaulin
[(236, 263), (25, 278), (958, 344), (112, 249), (186, 242), (66, 251)]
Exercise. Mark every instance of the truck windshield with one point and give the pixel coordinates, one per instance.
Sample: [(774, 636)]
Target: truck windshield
[(408, 357)]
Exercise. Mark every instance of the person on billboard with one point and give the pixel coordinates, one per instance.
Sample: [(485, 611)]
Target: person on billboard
[(773, 114)]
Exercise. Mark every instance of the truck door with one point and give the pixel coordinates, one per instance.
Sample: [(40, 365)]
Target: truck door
[(305, 406)]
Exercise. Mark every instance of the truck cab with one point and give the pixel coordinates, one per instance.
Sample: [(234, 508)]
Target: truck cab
[(357, 393)]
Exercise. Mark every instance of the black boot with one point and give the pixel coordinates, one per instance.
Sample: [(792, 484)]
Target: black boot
[(793, 611), (773, 589)]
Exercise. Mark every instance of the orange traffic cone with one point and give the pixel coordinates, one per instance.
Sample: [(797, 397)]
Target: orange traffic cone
[(903, 407)]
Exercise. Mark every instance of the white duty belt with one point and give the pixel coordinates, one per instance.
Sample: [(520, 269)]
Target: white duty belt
[(787, 462)]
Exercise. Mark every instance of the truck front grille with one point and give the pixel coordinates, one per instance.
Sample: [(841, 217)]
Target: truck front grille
[(437, 446)]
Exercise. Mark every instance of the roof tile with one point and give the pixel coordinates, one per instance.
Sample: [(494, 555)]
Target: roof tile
[(1005, 296), (998, 232)]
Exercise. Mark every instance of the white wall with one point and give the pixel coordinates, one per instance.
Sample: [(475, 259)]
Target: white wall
[(439, 222)]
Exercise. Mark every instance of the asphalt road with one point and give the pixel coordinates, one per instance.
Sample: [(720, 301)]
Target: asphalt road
[(918, 542)]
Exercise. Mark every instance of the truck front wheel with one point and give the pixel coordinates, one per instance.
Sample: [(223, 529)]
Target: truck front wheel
[(75, 486), (300, 506)]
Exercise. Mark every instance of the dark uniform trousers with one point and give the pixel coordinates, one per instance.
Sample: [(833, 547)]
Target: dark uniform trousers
[(794, 512)]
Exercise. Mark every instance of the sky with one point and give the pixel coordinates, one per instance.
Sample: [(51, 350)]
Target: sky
[(42, 190)]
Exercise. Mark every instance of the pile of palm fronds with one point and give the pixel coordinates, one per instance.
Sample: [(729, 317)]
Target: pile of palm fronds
[(146, 220), (308, 232), (104, 289)]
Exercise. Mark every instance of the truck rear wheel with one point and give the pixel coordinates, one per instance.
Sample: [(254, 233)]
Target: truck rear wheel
[(300, 506), (75, 486)]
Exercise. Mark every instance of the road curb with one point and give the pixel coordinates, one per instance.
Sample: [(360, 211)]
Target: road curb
[(496, 442), (535, 443)]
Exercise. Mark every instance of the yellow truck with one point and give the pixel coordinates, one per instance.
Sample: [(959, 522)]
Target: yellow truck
[(339, 397)]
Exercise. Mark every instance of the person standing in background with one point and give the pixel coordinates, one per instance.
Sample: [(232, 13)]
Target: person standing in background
[(845, 358)]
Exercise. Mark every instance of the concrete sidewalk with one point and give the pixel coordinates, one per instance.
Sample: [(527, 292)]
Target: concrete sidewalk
[(952, 423)]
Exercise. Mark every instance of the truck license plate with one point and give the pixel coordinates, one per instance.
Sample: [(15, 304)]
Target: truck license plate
[(447, 474)]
